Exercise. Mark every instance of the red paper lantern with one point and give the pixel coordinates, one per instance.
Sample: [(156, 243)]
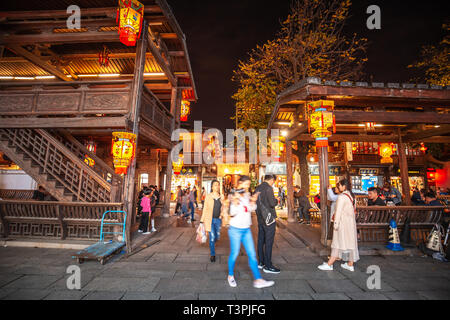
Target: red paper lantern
[(130, 15)]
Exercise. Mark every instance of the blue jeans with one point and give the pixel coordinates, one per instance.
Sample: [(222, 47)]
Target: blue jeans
[(191, 206), (244, 236), (214, 234)]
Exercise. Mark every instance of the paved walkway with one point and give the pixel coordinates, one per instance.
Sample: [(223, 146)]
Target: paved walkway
[(178, 267)]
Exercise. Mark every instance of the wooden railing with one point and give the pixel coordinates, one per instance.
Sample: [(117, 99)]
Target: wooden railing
[(59, 163), (155, 113), (75, 220), (63, 98), (373, 222), (100, 167), (16, 194)]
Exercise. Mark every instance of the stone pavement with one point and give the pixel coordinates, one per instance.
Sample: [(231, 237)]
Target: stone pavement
[(178, 267)]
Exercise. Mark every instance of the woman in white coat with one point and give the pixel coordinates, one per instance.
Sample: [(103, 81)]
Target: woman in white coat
[(345, 239)]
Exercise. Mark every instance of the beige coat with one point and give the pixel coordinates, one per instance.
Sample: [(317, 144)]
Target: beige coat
[(345, 238), (208, 211)]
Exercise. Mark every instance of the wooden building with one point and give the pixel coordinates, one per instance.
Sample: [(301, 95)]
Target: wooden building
[(61, 88), (399, 113)]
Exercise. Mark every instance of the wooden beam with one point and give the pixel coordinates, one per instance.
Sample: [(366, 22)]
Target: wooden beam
[(445, 129), (71, 37), (392, 117), (352, 138), (168, 36), (161, 62), (292, 134), (81, 122), (39, 62), (41, 14), (176, 53)]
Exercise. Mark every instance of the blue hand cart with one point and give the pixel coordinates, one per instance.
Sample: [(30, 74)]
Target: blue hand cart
[(102, 250)]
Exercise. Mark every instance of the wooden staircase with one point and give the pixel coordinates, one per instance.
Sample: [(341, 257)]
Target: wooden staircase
[(56, 161)]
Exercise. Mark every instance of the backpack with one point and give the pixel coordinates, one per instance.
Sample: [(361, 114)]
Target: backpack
[(265, 212)]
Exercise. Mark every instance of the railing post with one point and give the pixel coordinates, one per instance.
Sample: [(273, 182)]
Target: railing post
[(61, 222), (114, 190), (4, 222)]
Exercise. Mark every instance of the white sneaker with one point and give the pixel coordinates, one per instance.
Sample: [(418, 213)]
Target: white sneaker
[(232, 282), (346, 266), (325, 267), (189, 221), (263, 284), (140, 231), (147, 232), (153, 230)]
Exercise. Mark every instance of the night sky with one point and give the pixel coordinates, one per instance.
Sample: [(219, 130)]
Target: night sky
[(220, 33)]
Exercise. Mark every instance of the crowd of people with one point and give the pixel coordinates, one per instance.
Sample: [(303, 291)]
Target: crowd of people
[(389, 195), (187, 202), (234, 208)]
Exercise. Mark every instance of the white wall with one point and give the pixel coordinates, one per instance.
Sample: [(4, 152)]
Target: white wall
[(16, 179)]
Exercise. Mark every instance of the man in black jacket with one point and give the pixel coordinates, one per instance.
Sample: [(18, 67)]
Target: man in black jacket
[(266, 234)]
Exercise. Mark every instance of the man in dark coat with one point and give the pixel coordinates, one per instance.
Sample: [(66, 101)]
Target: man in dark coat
[(266, 234)]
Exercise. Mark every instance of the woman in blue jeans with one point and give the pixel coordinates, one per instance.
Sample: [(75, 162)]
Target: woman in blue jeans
[(212, 216), (241, 205)]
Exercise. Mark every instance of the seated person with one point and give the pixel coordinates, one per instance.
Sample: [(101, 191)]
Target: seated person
[(430, 200), (417, 197), (374, 197), (391, 194), (39, 194)]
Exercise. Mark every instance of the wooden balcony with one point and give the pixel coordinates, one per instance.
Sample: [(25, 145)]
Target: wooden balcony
[(82, 104), (87, 104)]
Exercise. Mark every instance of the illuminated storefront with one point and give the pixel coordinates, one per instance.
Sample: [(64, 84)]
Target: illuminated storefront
[(228, 174), (334, 172), (187, 178)]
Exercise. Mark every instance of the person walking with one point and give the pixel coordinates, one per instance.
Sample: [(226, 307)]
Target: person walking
[(266, 233), (303, 206), (195, 196), (281, 196), (345, 239), (204, 196), (212, 216), (185, 203), (240, 205), (191, 204), (179, 200), (146, 211)]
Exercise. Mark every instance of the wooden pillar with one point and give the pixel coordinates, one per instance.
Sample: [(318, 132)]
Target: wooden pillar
[(290, 183), (324, 181), (175, 106), (403, 171), (138, 82)]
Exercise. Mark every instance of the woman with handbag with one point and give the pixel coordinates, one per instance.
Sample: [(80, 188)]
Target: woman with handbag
[(345, 239), (212, 216), (241, 205)]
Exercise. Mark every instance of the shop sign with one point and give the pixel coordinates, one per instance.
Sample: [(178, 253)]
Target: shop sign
[(276, 168), (365, 172), (188, 171), (332, 170)]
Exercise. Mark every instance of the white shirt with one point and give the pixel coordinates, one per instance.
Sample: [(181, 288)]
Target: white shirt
[(240, 217)]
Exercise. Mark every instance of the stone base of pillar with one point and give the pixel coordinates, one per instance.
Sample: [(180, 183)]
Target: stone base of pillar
[(291, 220)]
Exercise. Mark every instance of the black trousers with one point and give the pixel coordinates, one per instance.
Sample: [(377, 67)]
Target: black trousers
[(144, 222), (266, 236)]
